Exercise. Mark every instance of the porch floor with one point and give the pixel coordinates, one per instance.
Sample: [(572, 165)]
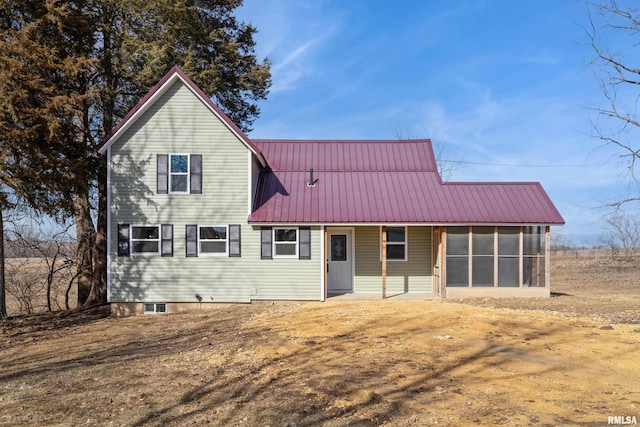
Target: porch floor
[(378, 295)]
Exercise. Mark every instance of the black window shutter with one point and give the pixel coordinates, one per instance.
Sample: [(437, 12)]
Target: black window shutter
[(163, 173), (195, 170), (234, 240), (266, 236), (123, 240), (192, 240), (304, 237), (166, 240)]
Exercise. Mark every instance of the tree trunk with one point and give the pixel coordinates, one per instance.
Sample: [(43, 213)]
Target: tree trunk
[(98, 294), (84, 235), (3, 301)]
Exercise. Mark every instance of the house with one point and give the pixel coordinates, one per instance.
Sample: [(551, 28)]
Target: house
[(200, 213)]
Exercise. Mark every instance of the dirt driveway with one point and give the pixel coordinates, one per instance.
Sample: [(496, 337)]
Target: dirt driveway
[(339, 363)]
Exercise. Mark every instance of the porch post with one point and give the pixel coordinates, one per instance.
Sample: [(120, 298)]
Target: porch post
[(443, 263), (547, 257), (384, 261)]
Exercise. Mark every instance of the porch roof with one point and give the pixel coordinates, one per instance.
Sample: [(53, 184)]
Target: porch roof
[(383, 182)]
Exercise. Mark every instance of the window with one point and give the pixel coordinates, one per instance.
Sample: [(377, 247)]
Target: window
[(508, 257), (396, 243), (482, 258), (145, 239), (178, 173), (457, 256), (212, 240), (155, 308), (533, 247), (495, 256), (285, 242)]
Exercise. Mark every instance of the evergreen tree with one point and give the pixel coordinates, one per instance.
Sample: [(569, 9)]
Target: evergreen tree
[(40, 109), (94, 60)]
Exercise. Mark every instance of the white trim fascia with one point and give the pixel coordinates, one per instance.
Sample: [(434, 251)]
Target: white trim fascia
[(143, 109), (108, 225), (322, 264), (353, 259), (399, 224), (249, 182)]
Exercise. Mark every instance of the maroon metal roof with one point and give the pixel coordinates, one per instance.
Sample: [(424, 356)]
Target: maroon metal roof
[(348, 156), (383, 182)]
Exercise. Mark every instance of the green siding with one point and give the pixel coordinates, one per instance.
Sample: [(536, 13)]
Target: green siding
[(413, 275), (179, 122)]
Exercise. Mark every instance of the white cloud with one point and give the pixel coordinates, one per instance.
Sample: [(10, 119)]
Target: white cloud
[(290, 34)]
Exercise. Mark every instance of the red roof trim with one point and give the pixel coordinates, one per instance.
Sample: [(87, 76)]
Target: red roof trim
[(176, 72)]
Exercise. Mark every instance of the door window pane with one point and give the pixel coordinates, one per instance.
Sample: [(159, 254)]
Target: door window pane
[(338, 247)]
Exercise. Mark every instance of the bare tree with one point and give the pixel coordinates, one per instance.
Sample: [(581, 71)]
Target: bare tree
[(614, 34), (561, 242), (446, 167), (40, 264), (622, 233)]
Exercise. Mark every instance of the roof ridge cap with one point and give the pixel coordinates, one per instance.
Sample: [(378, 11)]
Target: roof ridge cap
[(329, 141)]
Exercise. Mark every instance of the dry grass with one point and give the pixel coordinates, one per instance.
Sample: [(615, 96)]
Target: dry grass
[(568, 360), (27, 286)]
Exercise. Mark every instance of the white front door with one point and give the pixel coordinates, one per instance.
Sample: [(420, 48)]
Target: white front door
[(340, 260)]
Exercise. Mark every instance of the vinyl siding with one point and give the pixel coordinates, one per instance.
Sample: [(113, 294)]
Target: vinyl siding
[(413, 275), (179, 122)]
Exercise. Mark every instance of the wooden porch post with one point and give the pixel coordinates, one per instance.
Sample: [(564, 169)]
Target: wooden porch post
[(547, 257), (384, 261), (443, 262)]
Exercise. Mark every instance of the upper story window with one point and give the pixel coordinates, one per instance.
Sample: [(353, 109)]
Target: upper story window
[(179, 173)]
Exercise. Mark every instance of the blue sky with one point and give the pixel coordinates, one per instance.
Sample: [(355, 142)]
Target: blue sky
[(503, 87)]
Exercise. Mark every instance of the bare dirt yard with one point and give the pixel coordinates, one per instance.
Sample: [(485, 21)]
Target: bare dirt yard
[(572, 359)]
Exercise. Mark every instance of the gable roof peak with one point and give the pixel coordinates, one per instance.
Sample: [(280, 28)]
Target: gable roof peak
[(174, 75)]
